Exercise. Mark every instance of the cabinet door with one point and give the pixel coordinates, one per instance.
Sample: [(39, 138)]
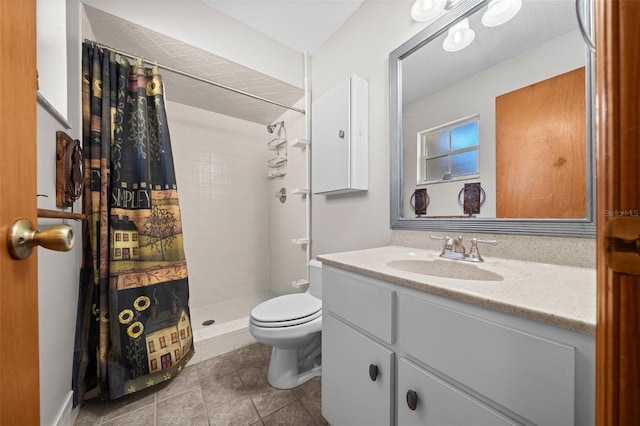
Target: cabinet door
[(349, 394), (330, 140), (502, 363), (438, 402)]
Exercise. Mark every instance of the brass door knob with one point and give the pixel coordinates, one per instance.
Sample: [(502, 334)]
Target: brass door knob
[(22, 238)]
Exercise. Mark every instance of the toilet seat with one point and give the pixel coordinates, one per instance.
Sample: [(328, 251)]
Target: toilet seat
[(286, 311)]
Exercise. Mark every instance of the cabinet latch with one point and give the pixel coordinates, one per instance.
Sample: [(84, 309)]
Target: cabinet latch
[(622, 244)]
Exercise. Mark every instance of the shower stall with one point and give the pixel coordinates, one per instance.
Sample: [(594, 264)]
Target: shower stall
[(238, 235), (242, 244)]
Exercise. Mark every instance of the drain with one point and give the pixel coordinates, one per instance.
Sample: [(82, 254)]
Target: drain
[(208, 322)]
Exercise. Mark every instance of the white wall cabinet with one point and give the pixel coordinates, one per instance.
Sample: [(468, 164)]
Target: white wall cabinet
[(452, 363), (340, 139)]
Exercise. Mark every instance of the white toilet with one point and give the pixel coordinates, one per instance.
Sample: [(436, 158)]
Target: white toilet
[(292, 325)]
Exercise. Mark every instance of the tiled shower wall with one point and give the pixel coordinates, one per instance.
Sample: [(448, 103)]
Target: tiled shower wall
[(237, 234), (220, 166)]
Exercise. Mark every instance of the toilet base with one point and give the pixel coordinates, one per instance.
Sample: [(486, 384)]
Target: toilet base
[(292, 366), (283, 369)]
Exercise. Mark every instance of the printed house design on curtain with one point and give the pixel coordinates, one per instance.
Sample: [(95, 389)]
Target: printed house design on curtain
[(124, 239), (168, 339)]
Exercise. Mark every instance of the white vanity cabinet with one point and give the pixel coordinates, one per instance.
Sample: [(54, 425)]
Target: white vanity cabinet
[(445, 362), (358, 366), (425, 399), (340, 138), (357, 377)]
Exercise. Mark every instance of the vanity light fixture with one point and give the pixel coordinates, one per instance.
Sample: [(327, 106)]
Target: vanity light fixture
[(459, 36), (427, 10), (500, 11)]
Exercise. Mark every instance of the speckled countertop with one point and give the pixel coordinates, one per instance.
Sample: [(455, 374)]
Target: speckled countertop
[(562, 296)]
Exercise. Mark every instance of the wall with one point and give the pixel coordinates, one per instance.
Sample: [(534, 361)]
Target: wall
[(58, 272), (478, 95), (220, 166), (361, 46), (51, 52)]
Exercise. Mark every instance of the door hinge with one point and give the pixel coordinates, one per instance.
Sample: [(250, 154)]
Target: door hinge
[(622, 244)]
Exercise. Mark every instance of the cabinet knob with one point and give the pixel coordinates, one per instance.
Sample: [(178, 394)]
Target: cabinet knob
[(341, 134), (373, 372), (412, 399)]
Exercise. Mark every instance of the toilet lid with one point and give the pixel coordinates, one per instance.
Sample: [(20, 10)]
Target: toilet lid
[(289, 309)]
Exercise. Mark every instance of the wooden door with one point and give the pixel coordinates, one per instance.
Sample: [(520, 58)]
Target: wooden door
[(618, 195), (541, 131), (19, 370)]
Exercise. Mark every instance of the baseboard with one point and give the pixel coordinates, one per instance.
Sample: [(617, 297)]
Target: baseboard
[(66, 416)]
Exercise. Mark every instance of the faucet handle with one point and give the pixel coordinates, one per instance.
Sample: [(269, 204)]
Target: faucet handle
[(492, 242), (473, 251), (438, 237)]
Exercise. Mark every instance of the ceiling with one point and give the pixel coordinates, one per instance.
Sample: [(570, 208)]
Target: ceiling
[(303, 25)]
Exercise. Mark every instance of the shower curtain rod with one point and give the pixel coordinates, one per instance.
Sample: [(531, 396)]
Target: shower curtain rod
[(195, 77)]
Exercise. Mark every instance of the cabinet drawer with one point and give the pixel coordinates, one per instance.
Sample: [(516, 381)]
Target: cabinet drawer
[(349, 395), (530, 375), (358, 300), (440, 403)]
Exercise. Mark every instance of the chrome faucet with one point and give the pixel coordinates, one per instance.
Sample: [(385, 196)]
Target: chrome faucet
[(454, 249)]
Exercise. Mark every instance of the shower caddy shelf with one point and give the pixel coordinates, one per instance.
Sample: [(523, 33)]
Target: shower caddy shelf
[(276, 162), (300, 241), (299, 143), (302, 144), (275, 143), (279, 161)]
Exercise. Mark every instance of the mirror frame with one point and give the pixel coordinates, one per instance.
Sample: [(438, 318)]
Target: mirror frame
[(551, 227)]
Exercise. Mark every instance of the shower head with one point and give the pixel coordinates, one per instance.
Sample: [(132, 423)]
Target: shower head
[(271, 127)]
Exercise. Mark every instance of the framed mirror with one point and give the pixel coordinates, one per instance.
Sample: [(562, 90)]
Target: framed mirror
[(498, 136)]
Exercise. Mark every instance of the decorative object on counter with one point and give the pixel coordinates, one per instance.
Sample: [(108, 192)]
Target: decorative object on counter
[(69, 170), (278, 163), (473, 197), (420, 201), (282, 195)]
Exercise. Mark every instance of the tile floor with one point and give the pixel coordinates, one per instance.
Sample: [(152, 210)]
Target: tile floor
[(230, 389)]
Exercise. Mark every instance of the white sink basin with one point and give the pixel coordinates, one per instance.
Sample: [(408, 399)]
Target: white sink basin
[(445, 269)]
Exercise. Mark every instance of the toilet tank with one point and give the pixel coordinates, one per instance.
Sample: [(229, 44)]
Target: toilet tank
[(315, 278)]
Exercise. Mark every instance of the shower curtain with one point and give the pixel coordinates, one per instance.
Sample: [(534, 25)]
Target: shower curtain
[(133, 329)]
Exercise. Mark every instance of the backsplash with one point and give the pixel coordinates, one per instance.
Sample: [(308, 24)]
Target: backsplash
[(579, 252)]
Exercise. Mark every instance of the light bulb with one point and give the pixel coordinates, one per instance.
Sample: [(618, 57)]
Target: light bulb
[(427, 10), (459, 36), (500, 11)]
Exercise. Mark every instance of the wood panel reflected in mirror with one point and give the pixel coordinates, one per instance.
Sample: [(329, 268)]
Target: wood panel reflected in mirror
[(546, 178), (527, 84)]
